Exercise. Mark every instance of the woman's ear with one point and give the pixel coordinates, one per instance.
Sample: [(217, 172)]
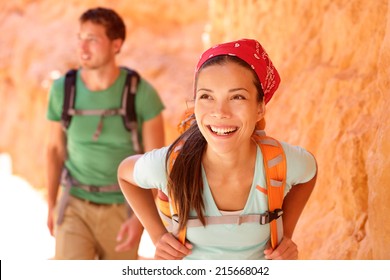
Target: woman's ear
[(260, 111)]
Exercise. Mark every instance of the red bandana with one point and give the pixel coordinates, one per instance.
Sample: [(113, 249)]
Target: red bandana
[(252, 53)]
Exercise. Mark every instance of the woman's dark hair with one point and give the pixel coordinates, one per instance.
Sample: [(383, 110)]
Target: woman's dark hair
[(185, 183), (112, 22)]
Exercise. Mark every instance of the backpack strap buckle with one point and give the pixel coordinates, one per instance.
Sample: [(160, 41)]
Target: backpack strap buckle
[(175, 224), (269, 216), (93, 188)]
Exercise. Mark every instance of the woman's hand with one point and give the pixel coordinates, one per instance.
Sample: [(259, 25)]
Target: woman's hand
[(169, 248), (286, 250)]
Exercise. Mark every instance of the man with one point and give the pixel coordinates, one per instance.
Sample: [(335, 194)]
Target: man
[(93, 219)]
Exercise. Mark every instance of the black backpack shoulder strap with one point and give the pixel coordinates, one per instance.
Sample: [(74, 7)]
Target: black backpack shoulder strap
[(128, 99), (69, 97), (128, 103)]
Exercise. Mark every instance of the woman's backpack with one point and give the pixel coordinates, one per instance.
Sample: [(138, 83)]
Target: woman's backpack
[(275, 169)]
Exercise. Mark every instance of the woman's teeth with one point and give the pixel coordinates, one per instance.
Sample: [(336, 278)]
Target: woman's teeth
[(222, 131)]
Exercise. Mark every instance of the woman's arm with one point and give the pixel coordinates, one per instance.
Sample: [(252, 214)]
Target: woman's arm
[(293, 205), (143, 204)]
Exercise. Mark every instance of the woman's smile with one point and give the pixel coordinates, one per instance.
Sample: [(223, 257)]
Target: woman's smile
[(222, 130)]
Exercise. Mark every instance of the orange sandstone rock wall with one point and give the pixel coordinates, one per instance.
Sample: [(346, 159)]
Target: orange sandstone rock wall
[(333, 56)]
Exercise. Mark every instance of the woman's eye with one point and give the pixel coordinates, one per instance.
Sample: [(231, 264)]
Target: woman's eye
[(204, 96), (239, 97)]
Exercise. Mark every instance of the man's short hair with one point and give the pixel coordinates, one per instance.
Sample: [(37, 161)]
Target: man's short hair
[(112, 22)]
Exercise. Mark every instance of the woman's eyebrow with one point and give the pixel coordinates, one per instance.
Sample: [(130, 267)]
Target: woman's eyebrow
[(230, 90), (237, 89), (204, 89)]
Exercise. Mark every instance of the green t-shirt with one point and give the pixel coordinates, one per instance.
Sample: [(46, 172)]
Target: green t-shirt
[(95, 162)]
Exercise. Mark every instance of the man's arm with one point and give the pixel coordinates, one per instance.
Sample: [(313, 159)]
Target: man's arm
[(153, 133), (153, 136), (55, 157)]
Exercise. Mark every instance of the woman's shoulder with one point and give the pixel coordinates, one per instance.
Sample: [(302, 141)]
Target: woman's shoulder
[(295, 150), (301, 164), (150, 170), (156, 154)]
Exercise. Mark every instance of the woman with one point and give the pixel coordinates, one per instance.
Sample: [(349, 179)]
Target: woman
[(220, 165)]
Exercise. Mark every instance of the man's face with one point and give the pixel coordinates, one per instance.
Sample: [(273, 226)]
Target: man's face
[(95, 49)]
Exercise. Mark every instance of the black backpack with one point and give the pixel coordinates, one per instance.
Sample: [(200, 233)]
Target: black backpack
[(127, 109)]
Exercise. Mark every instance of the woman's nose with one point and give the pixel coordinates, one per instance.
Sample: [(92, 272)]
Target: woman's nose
[(221, 110)]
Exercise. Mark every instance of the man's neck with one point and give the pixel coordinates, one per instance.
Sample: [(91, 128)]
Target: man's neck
[(100, 79)]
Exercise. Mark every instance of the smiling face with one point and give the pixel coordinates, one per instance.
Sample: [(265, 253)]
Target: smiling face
[(227, 106)]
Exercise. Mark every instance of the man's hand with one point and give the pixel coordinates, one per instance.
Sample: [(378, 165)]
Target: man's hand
[(286, 250), (133, 229), (50, 221)]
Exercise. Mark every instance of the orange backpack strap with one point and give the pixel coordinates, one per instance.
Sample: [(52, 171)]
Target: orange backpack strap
[(275, 168), (170, 221), (187, 119), (168, 217), (164, 208), (276, 171)]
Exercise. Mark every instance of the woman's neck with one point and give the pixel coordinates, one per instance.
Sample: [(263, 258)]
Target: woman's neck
[(235, 161), (230, 176)]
